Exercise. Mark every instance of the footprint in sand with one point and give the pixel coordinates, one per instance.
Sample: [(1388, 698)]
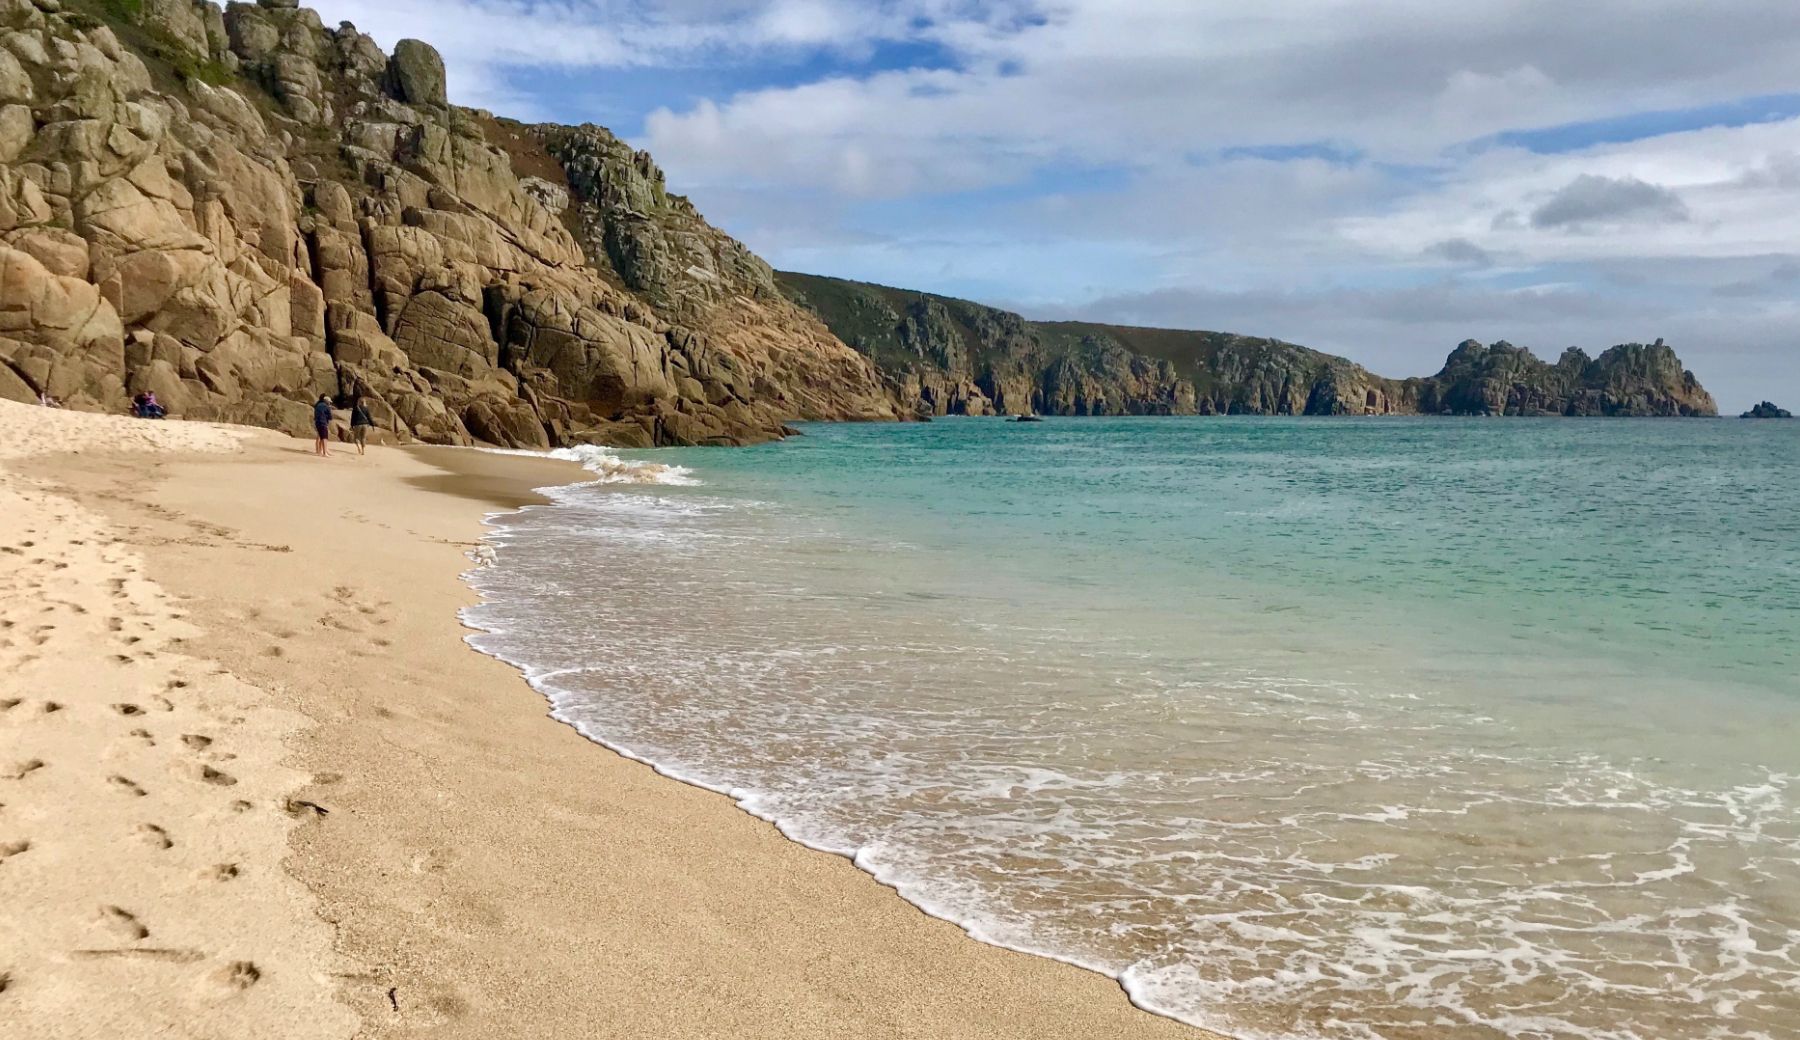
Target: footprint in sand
[(9, 849), (154, 836), (237, 976), (144, 735), (208, 774), (128, 709), (10, 703), (123, 924), (222, 872), (197, 742), (21, 770), (126, 786)]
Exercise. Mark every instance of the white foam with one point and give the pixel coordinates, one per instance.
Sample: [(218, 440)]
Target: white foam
[(611, 469)]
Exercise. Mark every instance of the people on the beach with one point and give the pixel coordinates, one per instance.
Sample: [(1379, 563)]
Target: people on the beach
[(360, 421), (145, 406), (322, 426), (46, 401)]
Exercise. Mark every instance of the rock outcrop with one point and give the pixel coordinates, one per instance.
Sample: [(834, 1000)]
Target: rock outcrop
[(1767, 410), (947, 356), (241, 209), (1627, 380)]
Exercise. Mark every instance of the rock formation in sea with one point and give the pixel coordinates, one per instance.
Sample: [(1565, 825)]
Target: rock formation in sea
[(241, 209), (1767, 410), (948, 356)]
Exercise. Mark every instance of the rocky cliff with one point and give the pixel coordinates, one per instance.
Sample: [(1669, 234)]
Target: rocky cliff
[(242, 209), (946, 356)]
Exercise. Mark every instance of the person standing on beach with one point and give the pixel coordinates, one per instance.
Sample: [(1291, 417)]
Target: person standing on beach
[(360, 421), (322, 426)]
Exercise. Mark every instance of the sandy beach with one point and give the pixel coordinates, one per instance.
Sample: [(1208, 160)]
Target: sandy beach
[(254, 783)]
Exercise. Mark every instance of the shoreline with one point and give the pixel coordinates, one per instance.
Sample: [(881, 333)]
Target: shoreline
[(488, 870)]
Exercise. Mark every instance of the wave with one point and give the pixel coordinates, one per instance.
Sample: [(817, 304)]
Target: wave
[(609, 468)]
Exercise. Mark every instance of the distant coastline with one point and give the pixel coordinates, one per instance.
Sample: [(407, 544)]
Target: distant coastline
[(945, 356)]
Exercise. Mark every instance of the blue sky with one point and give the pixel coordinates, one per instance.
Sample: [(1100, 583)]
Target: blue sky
[(1382, 181)]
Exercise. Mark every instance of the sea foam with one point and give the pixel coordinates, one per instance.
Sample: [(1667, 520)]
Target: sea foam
[(610, 468)]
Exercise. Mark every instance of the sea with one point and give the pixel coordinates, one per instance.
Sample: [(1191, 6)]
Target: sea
[(1372, 729)]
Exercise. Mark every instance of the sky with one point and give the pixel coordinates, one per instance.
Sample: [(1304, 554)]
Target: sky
[(1381, 181)]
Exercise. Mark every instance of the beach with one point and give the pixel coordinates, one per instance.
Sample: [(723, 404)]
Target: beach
[(255, 782)]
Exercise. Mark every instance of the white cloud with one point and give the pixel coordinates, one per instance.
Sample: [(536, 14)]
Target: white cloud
[(1156, 80)]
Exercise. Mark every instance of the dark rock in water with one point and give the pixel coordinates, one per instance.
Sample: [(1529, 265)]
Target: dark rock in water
[(1027, 418), (956, 357), (1767, 410)]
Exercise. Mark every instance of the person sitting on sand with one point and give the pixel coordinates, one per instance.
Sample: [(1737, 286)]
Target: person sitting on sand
[(322, 426), (360, 421), (46, 401), (145, 406)]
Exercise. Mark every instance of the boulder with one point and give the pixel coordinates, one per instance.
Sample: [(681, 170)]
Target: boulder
[(418, 74)]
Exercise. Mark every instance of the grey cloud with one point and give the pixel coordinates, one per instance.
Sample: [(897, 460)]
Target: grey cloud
[(1780, 171), (1461, 251), (1591, 199), (1782, 280)]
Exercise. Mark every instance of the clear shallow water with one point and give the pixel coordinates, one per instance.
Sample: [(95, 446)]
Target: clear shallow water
[(1300, 728)]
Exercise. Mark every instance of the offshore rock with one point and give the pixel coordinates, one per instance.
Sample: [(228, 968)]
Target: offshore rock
[(1767, 410)]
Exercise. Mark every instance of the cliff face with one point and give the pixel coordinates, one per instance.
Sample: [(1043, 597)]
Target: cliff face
[(241, 209), (945, 356)]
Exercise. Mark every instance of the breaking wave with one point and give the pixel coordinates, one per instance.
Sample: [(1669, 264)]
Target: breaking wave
[(611, 469)]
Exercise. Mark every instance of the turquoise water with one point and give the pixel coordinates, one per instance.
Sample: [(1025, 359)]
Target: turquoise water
[(1316, 728)]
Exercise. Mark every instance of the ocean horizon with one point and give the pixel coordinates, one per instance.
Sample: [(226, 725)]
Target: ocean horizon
[(1307, 728)]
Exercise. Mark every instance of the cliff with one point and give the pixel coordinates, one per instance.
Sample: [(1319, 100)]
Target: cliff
[(242, 209), (947, 356)]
